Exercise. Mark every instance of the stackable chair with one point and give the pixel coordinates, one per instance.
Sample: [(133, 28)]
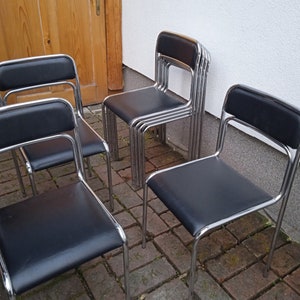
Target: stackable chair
[(206, 193), (51, 71), (157, 105), (50, 233)]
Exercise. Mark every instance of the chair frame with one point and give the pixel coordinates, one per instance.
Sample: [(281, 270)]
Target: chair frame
[(293, 156), (76, 148), (193, 107), (69, 79)]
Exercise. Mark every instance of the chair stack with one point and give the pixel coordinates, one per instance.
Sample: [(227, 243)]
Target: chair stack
[(156, 105)]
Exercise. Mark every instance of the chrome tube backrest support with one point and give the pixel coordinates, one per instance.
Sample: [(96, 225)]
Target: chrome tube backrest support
[(37, 121), (274, 119), (36, 72)]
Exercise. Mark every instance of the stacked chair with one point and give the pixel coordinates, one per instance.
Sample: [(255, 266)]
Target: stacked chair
[(207, 193), (50, 233), (33, 75), (156, 105)]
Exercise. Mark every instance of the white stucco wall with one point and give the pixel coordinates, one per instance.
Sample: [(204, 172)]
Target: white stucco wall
[(254, 42)]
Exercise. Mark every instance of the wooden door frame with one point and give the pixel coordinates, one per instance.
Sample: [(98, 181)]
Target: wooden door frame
[(113, 20)]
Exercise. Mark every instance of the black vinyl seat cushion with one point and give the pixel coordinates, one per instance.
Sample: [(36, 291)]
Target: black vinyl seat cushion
[(48, 234), (204, 192), (137, 103), (48, 154)]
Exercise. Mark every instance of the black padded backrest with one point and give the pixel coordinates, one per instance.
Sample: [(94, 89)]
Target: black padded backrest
[(33, 120), (178, 47), (268, 114), (32, 71)]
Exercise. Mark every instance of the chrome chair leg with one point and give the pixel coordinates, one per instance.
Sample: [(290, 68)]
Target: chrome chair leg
[(32, 181), (19, 176), (109, 179), (144, 221), (126, 270), (193, 269), (275, 235)]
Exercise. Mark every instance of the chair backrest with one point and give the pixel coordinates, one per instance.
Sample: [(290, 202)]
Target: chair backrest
[(31, 73), (271, 117), (35, 121), (178, 47), (182, 52)]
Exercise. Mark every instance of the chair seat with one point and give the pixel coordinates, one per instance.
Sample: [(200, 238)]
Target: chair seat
[(142, 102), (48, 154), (204, 192), (48, 234)]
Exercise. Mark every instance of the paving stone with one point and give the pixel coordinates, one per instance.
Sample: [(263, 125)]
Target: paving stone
[(46, 186), (247, 225), (60, 288), (65, 180), (95, 183), (175, 251), (9, 187), (170, 219), (175, 290), (125, 219), (125, 174), (11, 198), (151, 195), (207, 288), (259, 244), (138, 257), (62, 170), (286, 259), (102, 284), (101, 171), (7, 165), (156, 204), (104, 196), (134, 235), (214, 244), (294, 280), (155, 225), (7, 175), (157, 150), (161, 161), (126, 195), (280, 291), (121, 164), (227, 265), (150, 276), (250, 282), (185, 237)]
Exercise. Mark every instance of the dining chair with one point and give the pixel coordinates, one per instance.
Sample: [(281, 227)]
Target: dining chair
[(206, 193), (34, 74), (50, 233), (156, 105)]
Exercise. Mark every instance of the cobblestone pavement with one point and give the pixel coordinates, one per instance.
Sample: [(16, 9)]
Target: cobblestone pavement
[(230, 260)]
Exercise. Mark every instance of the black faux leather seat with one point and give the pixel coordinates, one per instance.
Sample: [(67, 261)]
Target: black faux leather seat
[(50, 233), (206, 193), (32, 74), (156, 105)]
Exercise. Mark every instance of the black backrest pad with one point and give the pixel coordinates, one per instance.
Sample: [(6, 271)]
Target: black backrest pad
[(177, 47), (270, 115), (35, 120), (33, 71)]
